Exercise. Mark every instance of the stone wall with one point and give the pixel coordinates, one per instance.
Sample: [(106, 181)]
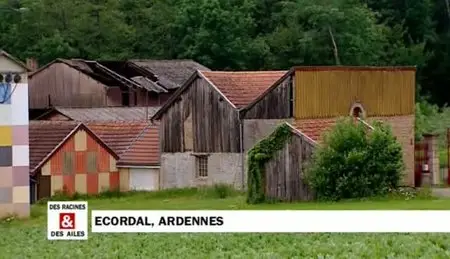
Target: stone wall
[(403, 129), (178, 170)]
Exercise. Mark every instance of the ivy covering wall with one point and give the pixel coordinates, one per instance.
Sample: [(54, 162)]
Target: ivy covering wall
[(258, 156)]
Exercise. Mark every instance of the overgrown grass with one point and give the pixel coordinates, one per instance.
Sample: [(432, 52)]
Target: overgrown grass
[(27, 238)]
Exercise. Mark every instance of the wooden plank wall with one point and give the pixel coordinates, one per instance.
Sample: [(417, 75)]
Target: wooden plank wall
[(275, 105), (285, 172), (213, 126), (66, 86), (330, 93)]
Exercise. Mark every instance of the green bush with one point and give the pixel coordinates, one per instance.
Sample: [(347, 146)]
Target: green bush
[(355, 162)]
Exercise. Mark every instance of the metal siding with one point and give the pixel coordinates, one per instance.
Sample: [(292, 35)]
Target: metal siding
[(322, 94)]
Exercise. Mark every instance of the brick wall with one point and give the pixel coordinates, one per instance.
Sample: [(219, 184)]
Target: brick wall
[(403, 129)]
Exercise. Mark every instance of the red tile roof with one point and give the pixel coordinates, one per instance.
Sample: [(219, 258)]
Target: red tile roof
[(136, 143), (45, 136), (145, 148), (315, 128), (241, 88)]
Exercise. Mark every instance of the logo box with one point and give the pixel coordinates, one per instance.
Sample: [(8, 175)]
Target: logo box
[(67, 220)]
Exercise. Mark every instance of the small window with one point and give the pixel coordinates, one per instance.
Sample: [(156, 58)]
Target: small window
[(201, 166), (357, 112)]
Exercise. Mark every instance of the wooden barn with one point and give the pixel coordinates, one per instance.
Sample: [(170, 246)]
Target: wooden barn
[(88, 83), (313, 98), (201, 129), (69, 156)]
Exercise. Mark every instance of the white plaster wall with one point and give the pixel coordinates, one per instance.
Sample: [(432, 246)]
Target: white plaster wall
[(144, 179)]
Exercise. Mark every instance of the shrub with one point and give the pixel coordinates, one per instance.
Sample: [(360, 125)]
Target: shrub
[(354, 162)]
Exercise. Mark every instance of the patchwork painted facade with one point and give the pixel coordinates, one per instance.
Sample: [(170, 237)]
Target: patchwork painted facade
[(14, 149), (136, 143), (80, 162)]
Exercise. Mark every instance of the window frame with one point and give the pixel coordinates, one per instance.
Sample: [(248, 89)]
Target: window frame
[(201, 166)]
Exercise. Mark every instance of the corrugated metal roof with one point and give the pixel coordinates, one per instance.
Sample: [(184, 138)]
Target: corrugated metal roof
[(108, 113)]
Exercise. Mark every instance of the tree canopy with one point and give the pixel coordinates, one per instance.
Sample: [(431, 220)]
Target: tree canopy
[(238, 34)]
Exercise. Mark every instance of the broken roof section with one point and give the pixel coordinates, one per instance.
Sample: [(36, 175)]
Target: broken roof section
[(159, 76)]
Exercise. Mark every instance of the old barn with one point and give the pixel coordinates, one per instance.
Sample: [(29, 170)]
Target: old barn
[(313, 98), (201, 130)]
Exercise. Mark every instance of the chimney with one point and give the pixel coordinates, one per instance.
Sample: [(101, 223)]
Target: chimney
[(32, 64)]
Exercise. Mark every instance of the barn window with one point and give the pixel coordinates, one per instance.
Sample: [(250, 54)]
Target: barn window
[(357, 111), (201, 164)]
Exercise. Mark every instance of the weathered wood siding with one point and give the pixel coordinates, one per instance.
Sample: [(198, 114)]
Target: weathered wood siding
[(200, 121), (331, 92), (285, 172), (277, 104), (66, 87)]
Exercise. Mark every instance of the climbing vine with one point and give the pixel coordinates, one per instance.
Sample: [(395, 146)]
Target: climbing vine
[(261, 153)]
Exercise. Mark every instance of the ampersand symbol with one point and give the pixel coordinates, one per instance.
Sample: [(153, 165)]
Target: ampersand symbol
[(67, 222)]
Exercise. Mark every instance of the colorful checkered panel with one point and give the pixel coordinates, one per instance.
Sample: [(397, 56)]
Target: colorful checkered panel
[(14, 149), (81, 165)]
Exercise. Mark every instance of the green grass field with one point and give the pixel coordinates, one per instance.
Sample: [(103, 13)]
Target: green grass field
[(27, 239)]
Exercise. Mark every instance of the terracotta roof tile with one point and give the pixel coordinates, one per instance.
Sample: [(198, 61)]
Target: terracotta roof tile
[(145, 148), (315, 128), (133, 142), (44, 138), (241, 88)]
